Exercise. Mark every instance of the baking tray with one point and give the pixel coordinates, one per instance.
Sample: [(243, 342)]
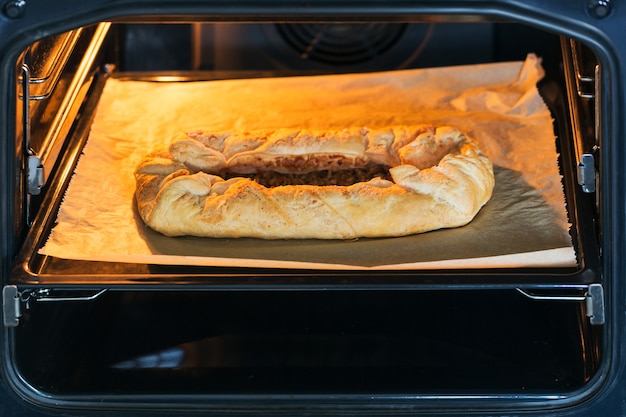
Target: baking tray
[(34, 268)]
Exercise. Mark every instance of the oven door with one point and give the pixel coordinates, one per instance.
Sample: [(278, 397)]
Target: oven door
[(285, 334)]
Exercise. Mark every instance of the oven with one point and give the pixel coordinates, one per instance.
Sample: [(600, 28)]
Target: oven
[(521, 311)]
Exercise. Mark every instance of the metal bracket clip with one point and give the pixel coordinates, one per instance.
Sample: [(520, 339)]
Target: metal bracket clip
[(13, 301), (593, 299), (11, 306), (35, 174), (587, 173), (594, 304)]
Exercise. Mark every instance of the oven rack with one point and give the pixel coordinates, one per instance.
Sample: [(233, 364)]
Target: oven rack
[(15, 300), (47, 273)]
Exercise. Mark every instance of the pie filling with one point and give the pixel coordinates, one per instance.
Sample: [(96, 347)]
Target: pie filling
[(327, 177)]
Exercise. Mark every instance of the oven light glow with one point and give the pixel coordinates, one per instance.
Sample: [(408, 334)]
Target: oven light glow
[(169, 78)]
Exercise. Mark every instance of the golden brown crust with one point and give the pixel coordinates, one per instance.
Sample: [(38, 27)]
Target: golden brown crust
[(440, 180)]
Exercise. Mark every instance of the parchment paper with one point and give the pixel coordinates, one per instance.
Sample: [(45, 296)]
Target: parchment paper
[(524, 224)]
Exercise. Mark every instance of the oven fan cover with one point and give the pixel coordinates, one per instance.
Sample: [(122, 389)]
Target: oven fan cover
[(343, 47), (342, 44)]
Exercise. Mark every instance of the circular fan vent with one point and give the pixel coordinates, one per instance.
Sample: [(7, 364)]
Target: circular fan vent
[(341, 44)]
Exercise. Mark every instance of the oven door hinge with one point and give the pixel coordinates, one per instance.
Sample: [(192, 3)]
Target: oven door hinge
[(587, 173), (593, 299), (14, 301)]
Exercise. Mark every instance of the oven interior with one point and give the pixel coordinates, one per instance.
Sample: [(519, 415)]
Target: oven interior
[(86, 330)]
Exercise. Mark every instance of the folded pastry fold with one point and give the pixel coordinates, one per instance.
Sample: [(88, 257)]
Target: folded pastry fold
[(204, 183)]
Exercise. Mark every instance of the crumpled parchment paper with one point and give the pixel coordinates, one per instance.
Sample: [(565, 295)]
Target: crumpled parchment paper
[(524, 224)]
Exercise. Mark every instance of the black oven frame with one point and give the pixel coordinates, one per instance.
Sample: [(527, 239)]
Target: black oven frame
[(594, 23)]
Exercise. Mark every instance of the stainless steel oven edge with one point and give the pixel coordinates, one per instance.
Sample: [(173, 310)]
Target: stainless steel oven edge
[(598, 24)]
